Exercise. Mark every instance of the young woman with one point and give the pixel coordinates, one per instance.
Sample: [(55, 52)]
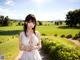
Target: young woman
[(29, 40)]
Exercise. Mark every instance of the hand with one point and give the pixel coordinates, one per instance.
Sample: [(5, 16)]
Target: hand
[(28, 48), (35, 47)]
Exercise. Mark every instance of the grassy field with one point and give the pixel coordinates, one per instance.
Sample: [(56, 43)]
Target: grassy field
[(9, 37), (52, 29)]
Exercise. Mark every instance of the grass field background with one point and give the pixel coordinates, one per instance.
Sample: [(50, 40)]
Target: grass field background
[(9, 37)]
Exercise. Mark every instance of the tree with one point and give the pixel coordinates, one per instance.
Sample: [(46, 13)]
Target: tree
[(40, 23), (73, 18), (6, 21), (1, 20)]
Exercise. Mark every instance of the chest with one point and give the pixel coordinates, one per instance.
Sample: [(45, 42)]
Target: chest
[(26, 40)]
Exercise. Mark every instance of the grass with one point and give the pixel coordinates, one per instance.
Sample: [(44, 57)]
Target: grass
[(52, 29), (9, 37), (9, 47), (47, 30), (60, 40)]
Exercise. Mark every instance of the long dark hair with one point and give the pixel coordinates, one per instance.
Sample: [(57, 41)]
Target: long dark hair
[(27, 19)]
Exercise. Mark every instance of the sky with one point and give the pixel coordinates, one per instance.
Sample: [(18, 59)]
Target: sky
[(44, 10)]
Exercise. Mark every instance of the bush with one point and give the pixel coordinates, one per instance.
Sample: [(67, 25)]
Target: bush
[(77, 36), (0, 42), (55, 34), (43, 34), (69, 36), (62, 36), (60, 51)]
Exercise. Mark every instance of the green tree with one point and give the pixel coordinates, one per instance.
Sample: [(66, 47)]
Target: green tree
[(6, 21), (1, 20), (40, 23), (73, 18)]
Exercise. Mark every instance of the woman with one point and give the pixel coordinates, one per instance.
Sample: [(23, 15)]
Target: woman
[(29, 41)]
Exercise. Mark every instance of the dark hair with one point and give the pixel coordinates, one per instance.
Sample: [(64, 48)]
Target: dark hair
[(27, 19)]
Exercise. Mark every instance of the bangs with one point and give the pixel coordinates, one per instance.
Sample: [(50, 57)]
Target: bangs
[(31, 18)]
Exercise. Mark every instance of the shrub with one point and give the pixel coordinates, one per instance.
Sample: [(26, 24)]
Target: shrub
[(58, 51), (77, 36), (55, 34), (43, 34), (0, 42), (69, 36), (62, 36)]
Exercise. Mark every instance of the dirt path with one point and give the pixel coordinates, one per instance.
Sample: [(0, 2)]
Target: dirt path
[(75, 41), (43, 55)]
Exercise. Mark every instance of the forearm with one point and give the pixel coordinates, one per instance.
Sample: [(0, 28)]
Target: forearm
[(22, 48), (37, 47)]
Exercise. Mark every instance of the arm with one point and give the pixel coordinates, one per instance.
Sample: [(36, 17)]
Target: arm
[(38, 46), (21, 45)]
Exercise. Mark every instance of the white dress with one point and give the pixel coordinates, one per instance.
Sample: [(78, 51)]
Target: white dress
[(32, 55)]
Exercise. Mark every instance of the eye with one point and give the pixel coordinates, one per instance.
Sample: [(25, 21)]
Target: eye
[(33, 22)]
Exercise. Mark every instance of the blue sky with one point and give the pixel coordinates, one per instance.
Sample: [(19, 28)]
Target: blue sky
[(42, 9)]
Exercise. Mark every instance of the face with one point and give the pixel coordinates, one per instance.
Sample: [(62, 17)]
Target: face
[(30, 24)]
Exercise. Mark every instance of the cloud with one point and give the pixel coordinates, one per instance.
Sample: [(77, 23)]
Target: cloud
[(41, 1), (7, 12), (9, 2), (73, 1)]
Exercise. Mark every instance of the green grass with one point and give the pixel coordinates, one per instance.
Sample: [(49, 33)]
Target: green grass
[(9, 47), (47, 30), (9, 37), (52, 29), (60, 40), (6, 28)]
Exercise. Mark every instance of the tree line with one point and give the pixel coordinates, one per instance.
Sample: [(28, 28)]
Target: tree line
[(4, 21), (72, 19)]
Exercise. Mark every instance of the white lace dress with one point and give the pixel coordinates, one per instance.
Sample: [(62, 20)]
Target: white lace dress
[(32, 55)]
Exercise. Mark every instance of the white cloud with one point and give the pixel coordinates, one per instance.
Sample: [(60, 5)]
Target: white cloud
[(41, 1), (9, 2), (71, 9), (7, 12), (38, 1), (73, 1)]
